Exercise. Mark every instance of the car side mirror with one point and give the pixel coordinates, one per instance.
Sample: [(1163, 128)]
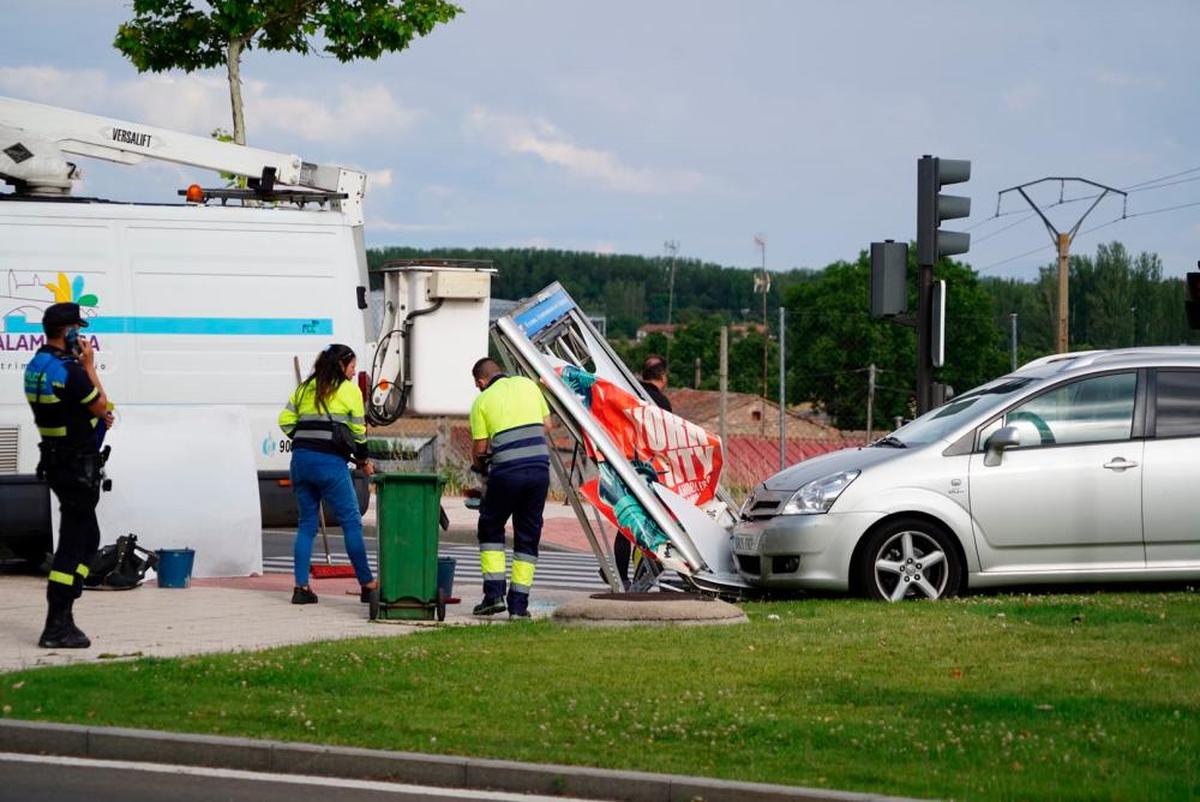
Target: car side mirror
[(1003, 439)]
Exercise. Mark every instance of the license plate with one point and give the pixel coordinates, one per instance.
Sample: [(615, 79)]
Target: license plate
[(746, 543)]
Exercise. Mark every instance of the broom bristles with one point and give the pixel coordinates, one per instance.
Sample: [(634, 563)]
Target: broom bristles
[(318, 571)]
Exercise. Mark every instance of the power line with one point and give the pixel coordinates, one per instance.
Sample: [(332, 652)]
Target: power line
[(999, 231), (1163, 178)]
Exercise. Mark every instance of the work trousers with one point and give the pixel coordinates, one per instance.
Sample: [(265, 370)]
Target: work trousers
[(317, 475), (519, 493), (78, 531)]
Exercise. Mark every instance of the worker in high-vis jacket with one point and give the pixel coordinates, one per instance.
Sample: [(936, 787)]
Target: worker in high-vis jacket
[(325, 419), (509, 424)]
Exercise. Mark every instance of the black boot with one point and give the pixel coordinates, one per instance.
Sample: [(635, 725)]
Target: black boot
[(60, 631)]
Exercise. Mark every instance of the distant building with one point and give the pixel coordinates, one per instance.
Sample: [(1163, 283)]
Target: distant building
[(665, 329)]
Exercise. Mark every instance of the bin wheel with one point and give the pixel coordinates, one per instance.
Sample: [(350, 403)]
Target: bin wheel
[(373, 608), (441, 605)]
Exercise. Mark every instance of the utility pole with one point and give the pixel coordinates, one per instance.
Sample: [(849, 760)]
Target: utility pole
[(1062, 240), (1012, 319), (782, 392), (762, 283), (870, 400), (672, 247), (723, 380)]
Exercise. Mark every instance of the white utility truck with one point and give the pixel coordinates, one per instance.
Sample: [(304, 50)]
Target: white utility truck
[(212, 301)]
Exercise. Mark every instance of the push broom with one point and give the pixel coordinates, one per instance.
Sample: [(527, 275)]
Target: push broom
[(328, 570)]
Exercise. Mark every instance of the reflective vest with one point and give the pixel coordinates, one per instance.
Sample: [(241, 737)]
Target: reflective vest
[(317, 429), (59, 391), (510, 412)]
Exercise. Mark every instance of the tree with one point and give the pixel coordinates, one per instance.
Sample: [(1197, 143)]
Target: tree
[(192, 35)]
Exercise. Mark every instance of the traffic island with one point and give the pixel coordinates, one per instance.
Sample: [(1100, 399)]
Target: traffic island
[(651, 609)]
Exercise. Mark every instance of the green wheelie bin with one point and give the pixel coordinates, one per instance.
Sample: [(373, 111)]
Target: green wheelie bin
[(409, 505)]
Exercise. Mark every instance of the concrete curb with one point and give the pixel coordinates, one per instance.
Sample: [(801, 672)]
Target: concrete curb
[(151, 746)]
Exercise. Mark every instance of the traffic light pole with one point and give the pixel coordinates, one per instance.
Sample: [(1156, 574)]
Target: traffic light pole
[(924, 351)]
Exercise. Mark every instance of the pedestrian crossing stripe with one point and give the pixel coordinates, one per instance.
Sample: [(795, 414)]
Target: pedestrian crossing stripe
[(568, 570)]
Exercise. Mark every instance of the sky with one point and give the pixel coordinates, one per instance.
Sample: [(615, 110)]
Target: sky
[(616, 126)]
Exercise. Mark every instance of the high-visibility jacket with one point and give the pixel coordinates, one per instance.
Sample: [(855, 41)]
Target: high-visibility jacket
[(316, 428), (59, 391), (510, 412)]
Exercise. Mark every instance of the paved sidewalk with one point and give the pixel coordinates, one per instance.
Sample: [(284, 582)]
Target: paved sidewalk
[(214, 615)]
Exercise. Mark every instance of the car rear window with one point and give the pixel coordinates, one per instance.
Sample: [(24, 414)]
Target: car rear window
[(1177, 411)]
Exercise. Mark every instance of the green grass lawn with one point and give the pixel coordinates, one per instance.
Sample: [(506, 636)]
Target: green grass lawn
[(1006, 697)]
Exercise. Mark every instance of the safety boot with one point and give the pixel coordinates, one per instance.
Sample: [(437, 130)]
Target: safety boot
[(60, 631), (489, 606)]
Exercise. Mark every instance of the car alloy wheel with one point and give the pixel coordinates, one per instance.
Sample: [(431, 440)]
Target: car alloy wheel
[(910, 560)]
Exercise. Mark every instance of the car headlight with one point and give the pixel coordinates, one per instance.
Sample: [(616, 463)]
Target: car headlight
[(818, 495)]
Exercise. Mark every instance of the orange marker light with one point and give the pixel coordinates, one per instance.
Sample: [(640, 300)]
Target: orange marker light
[(195, 194)]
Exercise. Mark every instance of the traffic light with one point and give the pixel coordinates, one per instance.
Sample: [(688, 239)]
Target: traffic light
[(1192, 304), (932, 208), (889, 278)]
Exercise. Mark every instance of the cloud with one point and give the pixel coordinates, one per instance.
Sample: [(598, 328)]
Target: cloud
[(1106, 76), (1022, 98), (378, 224), (378, 179), (542, 139), (199, 102)]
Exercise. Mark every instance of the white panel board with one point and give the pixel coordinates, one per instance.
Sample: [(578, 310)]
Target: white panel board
[(184, 477)]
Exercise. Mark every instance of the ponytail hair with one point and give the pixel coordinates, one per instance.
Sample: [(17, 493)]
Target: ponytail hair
[(329, 371)]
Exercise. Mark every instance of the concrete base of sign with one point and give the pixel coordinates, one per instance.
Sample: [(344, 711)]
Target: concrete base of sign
[(653, 609)]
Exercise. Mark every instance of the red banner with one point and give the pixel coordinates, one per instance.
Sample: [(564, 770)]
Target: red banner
[(677, 453)]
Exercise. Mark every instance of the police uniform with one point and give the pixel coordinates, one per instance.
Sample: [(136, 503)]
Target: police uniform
[(510, 413), (60, 392), (323, 440)]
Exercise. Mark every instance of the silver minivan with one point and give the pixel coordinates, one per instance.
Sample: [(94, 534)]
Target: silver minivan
[(1077, 467)]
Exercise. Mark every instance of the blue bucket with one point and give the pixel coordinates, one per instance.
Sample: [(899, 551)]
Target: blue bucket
[(445, 576), (175, 567)]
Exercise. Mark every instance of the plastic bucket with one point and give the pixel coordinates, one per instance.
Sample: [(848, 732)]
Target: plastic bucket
[(175, 567), (445, 576)]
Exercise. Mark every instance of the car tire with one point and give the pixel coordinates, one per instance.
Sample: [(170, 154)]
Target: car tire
[(909, 558)]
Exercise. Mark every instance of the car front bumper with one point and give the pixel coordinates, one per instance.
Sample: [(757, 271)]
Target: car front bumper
[(799, 551)]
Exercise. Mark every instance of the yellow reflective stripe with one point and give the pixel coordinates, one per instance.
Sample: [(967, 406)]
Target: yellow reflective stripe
[(52, 431), (522, 571), (82, 570), (90, 397), (35, 398), (492, 562), (61, 578)]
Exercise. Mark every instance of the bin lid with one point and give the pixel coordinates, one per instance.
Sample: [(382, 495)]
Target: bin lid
[(407, 478)]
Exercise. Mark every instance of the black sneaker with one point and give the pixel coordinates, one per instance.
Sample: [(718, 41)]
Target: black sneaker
[(365, 594), (489, 607), (303, 596)]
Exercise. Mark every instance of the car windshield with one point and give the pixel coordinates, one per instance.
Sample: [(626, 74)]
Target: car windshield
[(938, 423)]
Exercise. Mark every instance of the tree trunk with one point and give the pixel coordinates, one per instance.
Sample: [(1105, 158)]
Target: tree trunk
[(233, 64)]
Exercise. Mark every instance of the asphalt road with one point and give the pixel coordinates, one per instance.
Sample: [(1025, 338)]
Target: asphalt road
[(42, 778)]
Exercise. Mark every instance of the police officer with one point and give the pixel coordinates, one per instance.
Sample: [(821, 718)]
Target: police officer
[(69, 405), (509, 420)]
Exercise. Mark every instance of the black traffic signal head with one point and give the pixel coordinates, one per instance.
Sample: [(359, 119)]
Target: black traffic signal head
[(889, 278), (1192, 304), (932, 208)]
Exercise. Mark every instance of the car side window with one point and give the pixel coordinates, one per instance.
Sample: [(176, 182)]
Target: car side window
[(1094, 410), (1177, 408)]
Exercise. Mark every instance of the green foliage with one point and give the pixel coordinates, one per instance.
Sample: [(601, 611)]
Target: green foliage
[(631, 290), (832, 340), (182, 34)]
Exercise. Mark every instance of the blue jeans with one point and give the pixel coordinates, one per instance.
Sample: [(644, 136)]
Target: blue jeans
[(317, 476)]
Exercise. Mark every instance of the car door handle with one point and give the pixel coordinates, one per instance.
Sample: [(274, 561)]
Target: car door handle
[(1120, 464)]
